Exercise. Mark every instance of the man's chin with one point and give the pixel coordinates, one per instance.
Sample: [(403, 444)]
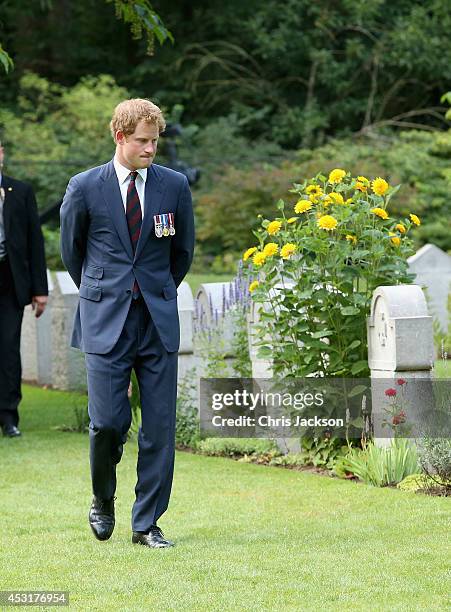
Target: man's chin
[(145, 163)]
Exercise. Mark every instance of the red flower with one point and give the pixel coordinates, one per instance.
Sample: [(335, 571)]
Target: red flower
[(390, 392), (401, 381), (399, 418)]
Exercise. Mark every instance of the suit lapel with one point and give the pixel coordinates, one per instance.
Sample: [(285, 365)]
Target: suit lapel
[(9, 197), (115, 206), (153, 200)]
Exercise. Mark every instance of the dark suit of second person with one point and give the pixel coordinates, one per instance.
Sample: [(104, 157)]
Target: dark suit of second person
[(23, 280)]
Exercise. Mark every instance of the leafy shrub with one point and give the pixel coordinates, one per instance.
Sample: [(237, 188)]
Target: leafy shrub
[(237, 447), (318, 265), (435, 460), (378, 466), (187, 433), (419, 160), (290, 460), (414, 482), (52, 248), (70, 126), (322, 452)]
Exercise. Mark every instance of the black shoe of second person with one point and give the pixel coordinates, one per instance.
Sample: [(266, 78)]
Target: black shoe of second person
[(11, 431)]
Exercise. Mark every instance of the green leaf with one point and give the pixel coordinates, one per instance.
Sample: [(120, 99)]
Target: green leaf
[(357, 422), (349, 310), (357, 390), (322, 334), (5, 59), (359, 366), (280, 205), (353, 345), (265, 351)]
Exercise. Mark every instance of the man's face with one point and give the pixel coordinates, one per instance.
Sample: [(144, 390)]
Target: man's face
[(138, 150)]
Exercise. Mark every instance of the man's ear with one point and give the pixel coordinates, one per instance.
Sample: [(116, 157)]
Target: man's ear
[(120, 137)]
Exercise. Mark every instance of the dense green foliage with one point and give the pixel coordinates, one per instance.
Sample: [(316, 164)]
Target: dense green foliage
[(316, 267), (419, 161), (257, 86), (380, 466), (59, 130), (291, 70)]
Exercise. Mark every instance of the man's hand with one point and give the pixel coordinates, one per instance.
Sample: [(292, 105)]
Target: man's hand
[(38, 303)]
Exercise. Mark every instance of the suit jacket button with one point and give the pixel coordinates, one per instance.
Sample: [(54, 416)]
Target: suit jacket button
[(128, 291)]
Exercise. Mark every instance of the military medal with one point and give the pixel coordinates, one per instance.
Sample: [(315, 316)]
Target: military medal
[(171, 224), (165, 224), (158, 226)]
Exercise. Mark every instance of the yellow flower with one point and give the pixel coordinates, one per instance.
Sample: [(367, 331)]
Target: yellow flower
[(259, 258), (379, 186), (414, 219), (287, 250), (349, 201), (336, 176), (274, 227), (327, 222), (327, 201), (292, 219), (302, 206), (396, 240), (380, 212), (270, 249), (351, 238), (401, 228), (364, 180), (361, 186), (336, 198), (253, 286), (248, 253), (314, 190)]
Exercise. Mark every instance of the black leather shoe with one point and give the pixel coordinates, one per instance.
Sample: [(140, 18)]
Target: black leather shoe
[(11, 431), (101, 517), (154, 539)]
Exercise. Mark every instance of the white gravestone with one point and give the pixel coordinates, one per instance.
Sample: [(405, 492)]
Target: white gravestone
[(35, 345), (432, 268), (68, 363), (400, 346), (212, 310), (185, 303)]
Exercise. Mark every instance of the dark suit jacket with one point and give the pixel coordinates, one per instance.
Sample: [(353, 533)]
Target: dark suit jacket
[(24, 241), (97, 251)]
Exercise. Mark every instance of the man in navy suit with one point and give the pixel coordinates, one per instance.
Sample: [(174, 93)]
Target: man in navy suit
[(127, 240)]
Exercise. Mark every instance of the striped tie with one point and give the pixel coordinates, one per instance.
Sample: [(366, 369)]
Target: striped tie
[(134, 219)]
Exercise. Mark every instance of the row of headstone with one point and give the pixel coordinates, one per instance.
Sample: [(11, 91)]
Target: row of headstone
[(48, 358)]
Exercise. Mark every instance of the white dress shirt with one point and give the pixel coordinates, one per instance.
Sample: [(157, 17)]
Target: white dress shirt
[(2, 223), (123, 176)]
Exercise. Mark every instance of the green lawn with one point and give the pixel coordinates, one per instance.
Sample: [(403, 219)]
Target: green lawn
[(248, 537), (442, 368), (195, 280)]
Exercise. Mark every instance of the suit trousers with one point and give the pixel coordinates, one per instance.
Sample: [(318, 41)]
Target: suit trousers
[(11, 315), (139, 347)]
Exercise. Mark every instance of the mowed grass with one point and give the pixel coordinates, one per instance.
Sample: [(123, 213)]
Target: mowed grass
[(196, 280), (247, 537)]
